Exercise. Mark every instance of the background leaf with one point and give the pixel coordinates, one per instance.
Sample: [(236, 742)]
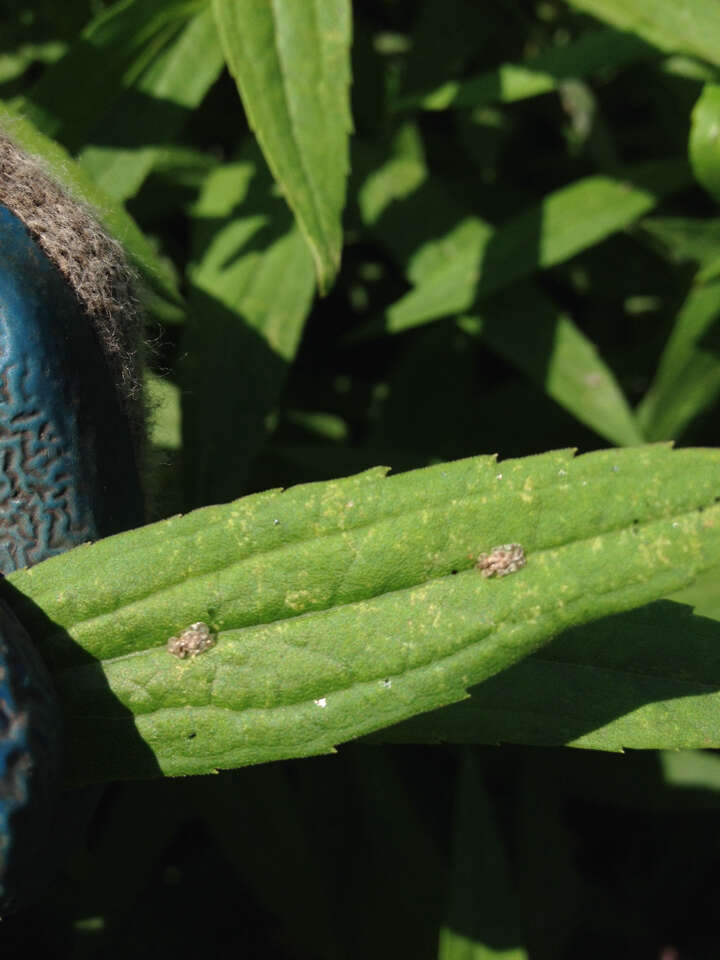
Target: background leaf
[(398, 196), (704, 145), (115, 49), (155, 107), (291, 65), (481, 921), (592, 688), (252, 287), (563, 224), (595, 51), (692, 26), (554, 353), (688, 376)]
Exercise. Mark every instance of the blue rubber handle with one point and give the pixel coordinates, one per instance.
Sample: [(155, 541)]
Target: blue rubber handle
[(68, 474), (68, 466), (30, 761)]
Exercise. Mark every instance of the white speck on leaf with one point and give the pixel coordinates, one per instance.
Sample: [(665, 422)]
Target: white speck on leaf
[(499, 477), (320, 702), (386, 684), (275, 522)]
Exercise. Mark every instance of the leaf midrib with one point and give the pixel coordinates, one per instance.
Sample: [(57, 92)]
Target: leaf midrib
[(338, 533), (432, 660)]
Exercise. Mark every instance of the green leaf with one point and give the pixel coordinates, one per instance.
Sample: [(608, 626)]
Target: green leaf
[(711, 270), (527, 329), (522, 325), (641, 680), (662, 781), (163, 398), (325, 425), (686, 26), (156, 272), (703, 594), (341, 608), (252, 289), (564, 223), (153, 62), (162, 471), (291, 64), (691, 770), (442, 38), (548, 877), (690, 69), (156, 810), (482, 916), (398, 857), (683, 239), (242, 810), (76, 95), (704, 146), (687, 381), (596, 51), (14, 64), (154, 108)]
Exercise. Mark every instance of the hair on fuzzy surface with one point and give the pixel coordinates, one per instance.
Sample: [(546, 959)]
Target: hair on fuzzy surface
[(91, 261)]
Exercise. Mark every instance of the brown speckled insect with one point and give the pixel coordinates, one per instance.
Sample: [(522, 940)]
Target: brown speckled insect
[(501, 560), (193, 640)]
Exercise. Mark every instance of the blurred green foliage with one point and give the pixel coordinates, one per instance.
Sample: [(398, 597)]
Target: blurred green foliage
[(530, 260)]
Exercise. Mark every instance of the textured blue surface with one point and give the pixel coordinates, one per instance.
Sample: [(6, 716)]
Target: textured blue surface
[(67, 475), (30, 759), (67, 468)]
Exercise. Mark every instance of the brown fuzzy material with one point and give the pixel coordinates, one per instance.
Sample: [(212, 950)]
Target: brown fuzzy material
[(91, 261)]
